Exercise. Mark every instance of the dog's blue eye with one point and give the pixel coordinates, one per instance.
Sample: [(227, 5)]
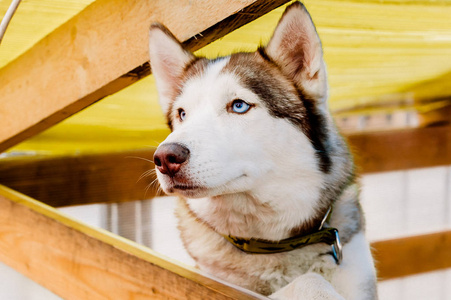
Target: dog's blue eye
[(240, 107), (182, 114)]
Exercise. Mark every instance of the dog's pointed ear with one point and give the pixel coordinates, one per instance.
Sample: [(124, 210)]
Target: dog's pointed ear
[(295, 46), (168, 59)]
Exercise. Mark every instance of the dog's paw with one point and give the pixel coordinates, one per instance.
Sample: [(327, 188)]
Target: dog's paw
[(310, 286)]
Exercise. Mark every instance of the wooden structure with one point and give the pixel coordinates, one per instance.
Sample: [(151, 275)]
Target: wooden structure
[(104, 48)]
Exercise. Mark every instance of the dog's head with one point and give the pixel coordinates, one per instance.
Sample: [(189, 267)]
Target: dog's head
[(249, 122)]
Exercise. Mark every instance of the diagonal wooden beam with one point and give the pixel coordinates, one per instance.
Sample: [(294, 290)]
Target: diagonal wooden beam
[(100, 51), (76, 261)]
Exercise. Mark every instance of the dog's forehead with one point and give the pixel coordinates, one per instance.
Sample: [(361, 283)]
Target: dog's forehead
[(202, 68), (210, 74), (212, 81), (262, 77), (240, 70)]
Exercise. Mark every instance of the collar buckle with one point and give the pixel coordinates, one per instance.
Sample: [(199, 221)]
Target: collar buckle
[(337, 252)]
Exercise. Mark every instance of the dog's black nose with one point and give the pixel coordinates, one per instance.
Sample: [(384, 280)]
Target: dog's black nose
[(169, 157)]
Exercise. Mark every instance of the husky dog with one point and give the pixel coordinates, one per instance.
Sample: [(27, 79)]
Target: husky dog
[(266, 183)]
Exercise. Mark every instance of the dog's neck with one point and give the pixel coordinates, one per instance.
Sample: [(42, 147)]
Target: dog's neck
[(246, 216)]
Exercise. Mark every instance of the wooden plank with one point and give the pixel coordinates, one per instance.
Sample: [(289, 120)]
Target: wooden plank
[(437, 115), (401, 149), (412, 255), (100, 51), (78, 262), (115, 177), (82, 179)]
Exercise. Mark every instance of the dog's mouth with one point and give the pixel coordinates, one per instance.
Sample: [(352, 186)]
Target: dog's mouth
[(186, 190), (185, 187), (182, 186), (192, 190)]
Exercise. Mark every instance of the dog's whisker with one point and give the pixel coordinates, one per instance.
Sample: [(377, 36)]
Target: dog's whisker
[(158, 187), (147, 189), (141, 158), (154, 184), (155, 142), (147, 173)]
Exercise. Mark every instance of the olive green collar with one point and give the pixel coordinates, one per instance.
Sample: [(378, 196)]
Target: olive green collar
[(323, 235)]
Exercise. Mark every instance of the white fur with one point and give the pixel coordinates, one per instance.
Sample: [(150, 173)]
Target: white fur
[(308, 286), (358, 271)]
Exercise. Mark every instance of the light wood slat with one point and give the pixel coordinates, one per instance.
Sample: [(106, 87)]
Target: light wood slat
[(401, 149), (78, 262), (100, 51), (412, 255)]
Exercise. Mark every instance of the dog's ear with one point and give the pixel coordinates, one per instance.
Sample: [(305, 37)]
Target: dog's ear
[(168, 59), (295, 46)]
